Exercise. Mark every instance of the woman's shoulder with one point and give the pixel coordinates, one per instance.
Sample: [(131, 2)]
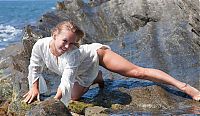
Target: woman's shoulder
[(42, 45), (93, 46), (43, 41)]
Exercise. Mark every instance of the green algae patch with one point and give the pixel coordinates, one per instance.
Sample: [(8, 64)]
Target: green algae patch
[(1, 74), (78, 107), (116, 106), (25, 106), (19, 107), (5, 89)]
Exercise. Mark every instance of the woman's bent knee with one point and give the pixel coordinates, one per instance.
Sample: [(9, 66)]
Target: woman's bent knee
[(78, 91), (75, 98), (101, 53)]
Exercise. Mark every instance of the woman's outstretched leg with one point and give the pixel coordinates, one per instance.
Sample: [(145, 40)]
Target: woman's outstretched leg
[(115, 63)]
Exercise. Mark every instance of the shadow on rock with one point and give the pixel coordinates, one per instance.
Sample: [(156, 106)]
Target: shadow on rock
[(176, 92), (111, 94), (107, 99)]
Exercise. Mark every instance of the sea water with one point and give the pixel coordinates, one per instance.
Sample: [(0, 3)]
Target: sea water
[(16, 14)]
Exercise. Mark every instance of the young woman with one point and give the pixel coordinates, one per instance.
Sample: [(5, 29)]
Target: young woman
[(79, 65)]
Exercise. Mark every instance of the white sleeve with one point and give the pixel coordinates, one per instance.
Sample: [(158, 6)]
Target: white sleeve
[(35, 68), (67, 82), (68, 76)]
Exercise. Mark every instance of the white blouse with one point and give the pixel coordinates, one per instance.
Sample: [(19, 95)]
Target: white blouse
[(77, 65)]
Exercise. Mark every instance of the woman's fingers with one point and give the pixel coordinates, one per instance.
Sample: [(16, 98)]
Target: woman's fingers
[(31, 95), (31, 99), (27, 98), (38, 97), (26, 94)]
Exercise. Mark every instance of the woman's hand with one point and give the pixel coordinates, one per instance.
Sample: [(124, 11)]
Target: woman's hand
[(32, 93), (58, 95)]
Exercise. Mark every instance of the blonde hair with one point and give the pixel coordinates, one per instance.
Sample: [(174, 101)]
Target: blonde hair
[(70, 26)]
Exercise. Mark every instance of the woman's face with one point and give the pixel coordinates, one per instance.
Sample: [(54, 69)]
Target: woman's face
[(64, 41)]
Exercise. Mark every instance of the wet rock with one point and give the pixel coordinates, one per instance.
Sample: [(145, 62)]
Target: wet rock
[(6, 89), (95, 111), (20, 87), (18, 107), (50, 107), (155, 34), (6, 77), (140, 97), (3, 108), (7, 53), (152, 97), (18, 74), (60, 6), (29, 38)]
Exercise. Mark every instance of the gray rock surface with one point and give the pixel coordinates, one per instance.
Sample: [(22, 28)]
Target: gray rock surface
[(50, 107), (158, 34), (155, 34)]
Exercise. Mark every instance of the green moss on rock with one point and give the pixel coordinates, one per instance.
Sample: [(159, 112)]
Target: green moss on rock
[(6, 89), (116, 106), (19, 107), (78, 107), (25, 106)]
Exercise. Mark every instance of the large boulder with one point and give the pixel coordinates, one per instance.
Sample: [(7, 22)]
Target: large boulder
[(50, 107), (155, 34)]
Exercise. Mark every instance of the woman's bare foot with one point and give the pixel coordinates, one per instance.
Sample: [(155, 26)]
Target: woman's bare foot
[(99, 80), (191, 91)]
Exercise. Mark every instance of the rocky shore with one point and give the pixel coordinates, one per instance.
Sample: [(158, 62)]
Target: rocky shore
[(154, 34)]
